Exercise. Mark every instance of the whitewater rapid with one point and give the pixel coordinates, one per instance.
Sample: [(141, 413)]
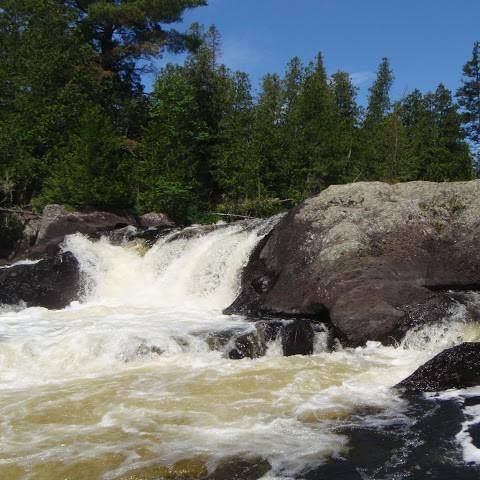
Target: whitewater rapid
[(126, 379)]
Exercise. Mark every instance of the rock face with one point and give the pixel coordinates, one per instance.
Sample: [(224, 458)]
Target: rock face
[(297, 338), (51, 283), (457, 367), (371, 258), (57, 222), (420, 444), (248, 345), (155, 219)]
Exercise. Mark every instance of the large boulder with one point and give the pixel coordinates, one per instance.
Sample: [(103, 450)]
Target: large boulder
[(457, 367), (52, 283), (18, 232), (56, 222), (155, 219), (371, 258)]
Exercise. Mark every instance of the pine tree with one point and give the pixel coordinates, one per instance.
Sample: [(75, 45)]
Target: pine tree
[(375, 135), (419, 120), (347, 111), (167, 174), (452, 157), (267, 137), (123, 31), (96, 170), (211, 83), (48, 79), (235, 169), (317, 136), (469, 99), (290, 127), (379, 99)]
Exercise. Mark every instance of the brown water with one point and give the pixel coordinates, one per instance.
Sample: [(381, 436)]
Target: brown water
[(81, 397)]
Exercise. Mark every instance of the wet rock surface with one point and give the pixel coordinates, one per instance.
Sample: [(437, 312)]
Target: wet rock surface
[(421, 443), (297, 338), (52, 283), (247, 345), (376, 257), (240, 469), (457, 367), (57, 222)]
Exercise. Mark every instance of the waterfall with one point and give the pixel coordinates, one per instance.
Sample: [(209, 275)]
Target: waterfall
[(190, 268), (128, 378)]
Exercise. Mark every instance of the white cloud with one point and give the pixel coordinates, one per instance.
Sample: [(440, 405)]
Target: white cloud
[(359, 78), (239, 54)]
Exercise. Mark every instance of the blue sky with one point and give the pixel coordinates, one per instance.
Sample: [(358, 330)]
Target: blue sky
[(427, 41)]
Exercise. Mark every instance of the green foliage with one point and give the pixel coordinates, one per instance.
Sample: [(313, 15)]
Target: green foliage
[(76, 127), (469, 100), (46, 79), (123, 31), (95, 171), (10, 233)]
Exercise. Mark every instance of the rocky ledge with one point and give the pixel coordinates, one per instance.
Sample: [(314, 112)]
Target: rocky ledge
[(42, 234), (457, 367), (371, 259), (51, 283)]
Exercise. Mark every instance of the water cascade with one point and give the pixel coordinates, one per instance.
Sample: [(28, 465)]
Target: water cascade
[(126, 382)]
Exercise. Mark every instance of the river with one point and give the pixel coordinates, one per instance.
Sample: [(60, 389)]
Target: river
[(124, 384)]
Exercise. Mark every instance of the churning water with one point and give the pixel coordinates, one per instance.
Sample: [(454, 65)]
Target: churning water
[(125, 385)]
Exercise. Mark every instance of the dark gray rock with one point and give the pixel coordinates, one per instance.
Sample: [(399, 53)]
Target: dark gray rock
[(240, 469), (52, 283), (152, 234), (251, 344), (417, 445), (57, 222), (376, 257), (155, 219), (124, 234), (457, 367), (297, 337)]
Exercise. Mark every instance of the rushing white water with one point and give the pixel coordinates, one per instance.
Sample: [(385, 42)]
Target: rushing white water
[(125, 382)]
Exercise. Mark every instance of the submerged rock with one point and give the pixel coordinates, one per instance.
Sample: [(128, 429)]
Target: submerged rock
[(374, 257), (194, 469), (240, 469), (152, 234), (52, 283), (251, 344), (457, 367), (297, 338)]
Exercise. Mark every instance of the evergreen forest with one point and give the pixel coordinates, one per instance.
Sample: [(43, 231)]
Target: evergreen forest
[(77, 127)]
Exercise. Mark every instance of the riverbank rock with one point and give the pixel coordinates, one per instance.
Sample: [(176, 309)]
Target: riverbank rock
[(457, 367), (371, 257), (422, 443), (52, 283), (18, 233), (155, 219), (57, 222)]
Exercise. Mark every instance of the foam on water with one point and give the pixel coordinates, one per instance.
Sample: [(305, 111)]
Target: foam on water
[(125, 379)]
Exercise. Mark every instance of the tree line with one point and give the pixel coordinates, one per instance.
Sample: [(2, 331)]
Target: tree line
[(77, 128)]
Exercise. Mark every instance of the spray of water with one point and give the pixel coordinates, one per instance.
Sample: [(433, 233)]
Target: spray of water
[(126, 379)]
